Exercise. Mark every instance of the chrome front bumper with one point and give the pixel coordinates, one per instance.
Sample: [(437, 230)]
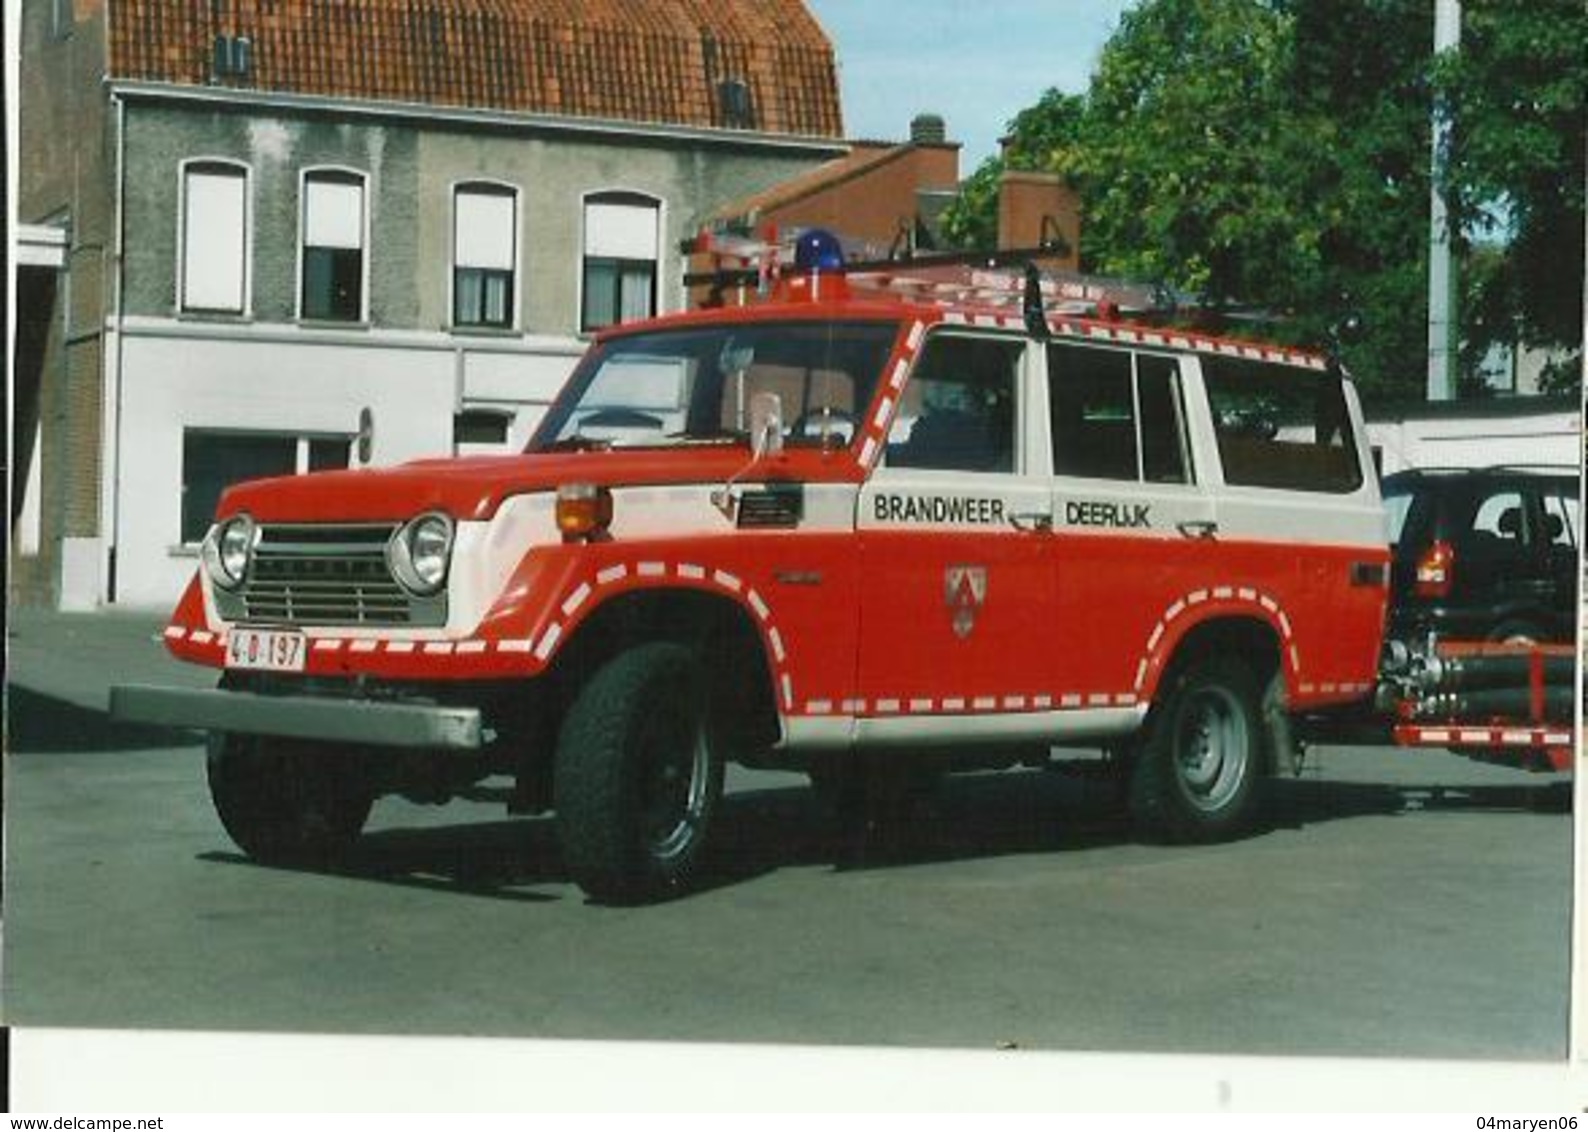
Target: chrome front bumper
[(373, 723)]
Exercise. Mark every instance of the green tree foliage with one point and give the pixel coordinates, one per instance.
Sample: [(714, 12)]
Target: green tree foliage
[(1518, 86), (1040, 137), (1275, 153)]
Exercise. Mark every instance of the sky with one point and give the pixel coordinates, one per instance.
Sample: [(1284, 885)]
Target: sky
[(977, 63)]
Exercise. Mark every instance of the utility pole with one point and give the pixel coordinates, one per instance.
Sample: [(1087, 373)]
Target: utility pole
[(1441, 275)]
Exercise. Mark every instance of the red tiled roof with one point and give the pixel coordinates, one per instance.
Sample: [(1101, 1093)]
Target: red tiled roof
[(637, 60), (863, 158)]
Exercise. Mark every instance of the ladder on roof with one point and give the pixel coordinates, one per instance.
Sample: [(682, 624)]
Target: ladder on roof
[(1003, 280)]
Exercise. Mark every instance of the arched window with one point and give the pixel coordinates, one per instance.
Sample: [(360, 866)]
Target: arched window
[(334, 223), (484, 255), (621, 240), (215, 236)]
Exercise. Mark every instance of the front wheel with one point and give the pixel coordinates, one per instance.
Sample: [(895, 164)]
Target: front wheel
[(638, 776), (287, 801), (1201, 761)]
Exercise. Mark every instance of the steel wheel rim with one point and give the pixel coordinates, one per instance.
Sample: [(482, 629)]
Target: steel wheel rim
[(675, 781), (1212, 748)]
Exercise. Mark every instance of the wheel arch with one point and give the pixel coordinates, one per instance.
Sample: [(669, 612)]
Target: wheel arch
[(723, 630)]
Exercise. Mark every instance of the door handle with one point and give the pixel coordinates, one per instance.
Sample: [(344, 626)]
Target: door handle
[(1031, 520), (1198, 528)]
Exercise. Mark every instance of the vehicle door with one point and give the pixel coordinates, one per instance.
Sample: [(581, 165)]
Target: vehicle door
[(1132, 523), (954, 526)]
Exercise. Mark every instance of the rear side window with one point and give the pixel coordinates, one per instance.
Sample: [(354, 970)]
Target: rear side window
[(1281, 427), (1116, 415), (1561, 517)]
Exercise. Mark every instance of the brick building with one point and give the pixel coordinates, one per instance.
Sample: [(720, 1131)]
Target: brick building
[(284, 235)]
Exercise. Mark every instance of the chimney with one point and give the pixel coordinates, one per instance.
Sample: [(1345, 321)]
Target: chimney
[(1040, 209), (928, 129)]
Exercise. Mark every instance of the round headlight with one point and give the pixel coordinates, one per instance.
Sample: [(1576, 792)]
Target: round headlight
[(228, 548), (420, 551)]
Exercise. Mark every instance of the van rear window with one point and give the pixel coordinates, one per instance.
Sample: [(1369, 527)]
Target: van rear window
[(1281, 427)]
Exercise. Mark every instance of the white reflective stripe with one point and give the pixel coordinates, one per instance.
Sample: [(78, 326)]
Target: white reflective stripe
[(652, 569), (549, 641), (886, 707), (777, 645), (867, 451), (201, 636), (759, 605), (727, 580), (984, 703), (363, 645), (399, 646), (440, 648), (175, 632), (611, 574), (330, 644), (575, 599), (955, 704), (819, 707), (515, 646), (788, 692), (691, 571), (920, 705), (1471, 736), (471, 646), (896, 382)]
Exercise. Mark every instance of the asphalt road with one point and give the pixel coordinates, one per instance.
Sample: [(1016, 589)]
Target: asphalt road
[(1408, 904)]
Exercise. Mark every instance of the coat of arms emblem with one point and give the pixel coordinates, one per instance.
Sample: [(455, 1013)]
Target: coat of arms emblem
[(965, 592)]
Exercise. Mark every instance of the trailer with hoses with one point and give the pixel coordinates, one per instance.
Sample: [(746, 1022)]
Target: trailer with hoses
[(1511, 703)]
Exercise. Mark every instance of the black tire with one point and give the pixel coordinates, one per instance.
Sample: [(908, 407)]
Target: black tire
[(1202, 758), (638, 776), (288, 801)]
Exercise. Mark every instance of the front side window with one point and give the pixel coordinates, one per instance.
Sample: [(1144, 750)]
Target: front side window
[(958, 410), (620, 252), (213, 460), (214, 238), (697, 385), (1281, 426), (485, 255), (333, 246)]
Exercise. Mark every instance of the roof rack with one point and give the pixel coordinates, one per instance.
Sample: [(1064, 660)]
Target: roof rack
[(1001, 280)]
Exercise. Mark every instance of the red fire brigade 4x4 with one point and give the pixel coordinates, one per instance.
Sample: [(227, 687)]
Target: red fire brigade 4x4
[(875, 522)]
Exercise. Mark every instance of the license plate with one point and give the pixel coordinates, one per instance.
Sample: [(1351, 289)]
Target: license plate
[(274, 650)]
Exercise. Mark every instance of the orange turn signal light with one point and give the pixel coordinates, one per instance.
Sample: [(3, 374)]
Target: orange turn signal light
[(584, 511)]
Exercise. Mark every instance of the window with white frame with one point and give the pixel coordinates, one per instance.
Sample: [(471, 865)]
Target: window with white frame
[(484, 255), (620, 253), (214, 237), (213, 460), (333, 226)]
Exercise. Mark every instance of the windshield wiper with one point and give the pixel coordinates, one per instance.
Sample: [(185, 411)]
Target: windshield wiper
[(578, 442), (721, 436)]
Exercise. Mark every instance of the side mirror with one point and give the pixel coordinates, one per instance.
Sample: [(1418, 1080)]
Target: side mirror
[(766, 425)]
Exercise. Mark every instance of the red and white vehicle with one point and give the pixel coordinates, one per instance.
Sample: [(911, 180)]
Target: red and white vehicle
[(872, 523)]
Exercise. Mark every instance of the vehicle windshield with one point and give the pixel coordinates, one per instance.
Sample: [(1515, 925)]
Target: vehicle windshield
[(693, 385)]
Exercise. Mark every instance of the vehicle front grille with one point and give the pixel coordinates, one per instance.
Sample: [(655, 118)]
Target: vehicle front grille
[(326, 575)]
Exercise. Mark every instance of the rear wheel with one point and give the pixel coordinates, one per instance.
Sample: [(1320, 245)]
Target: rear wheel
[(638, 776), (288, 801), (1197, 773)]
